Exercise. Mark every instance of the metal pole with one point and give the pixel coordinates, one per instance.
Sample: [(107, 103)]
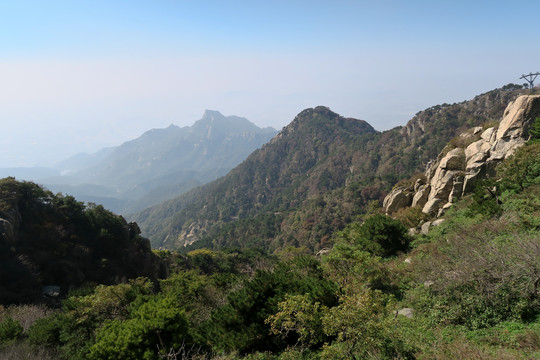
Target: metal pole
[(530, 79)]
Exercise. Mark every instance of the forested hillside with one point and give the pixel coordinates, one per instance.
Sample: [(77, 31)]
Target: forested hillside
[(466, 290), (313, 179), (55, 242)]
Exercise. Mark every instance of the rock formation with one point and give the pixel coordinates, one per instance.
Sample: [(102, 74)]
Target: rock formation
[(476, 155)]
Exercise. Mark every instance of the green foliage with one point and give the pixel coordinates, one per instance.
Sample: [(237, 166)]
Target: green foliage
[(410, 216), (512, 86), (73, 330), (198, 295), (298, 315), (46, 331), (534, 132), (67, 243), (10, 330), (479, 275), (359, 324), (350, 267), (240, 324), (522, 169), (486, 199), (504, 342), (231, 261), (379, 235), (157, 322)]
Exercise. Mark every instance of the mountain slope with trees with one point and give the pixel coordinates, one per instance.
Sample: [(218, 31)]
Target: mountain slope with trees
[(55, 240), (468, 290), (315, 177)]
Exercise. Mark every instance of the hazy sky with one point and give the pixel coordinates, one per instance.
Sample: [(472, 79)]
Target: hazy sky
[(76, 76)]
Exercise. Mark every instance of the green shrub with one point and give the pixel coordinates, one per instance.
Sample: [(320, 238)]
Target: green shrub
[(379, 235), (411, 216), (522, 169), (486, 199), (10, 330), (46, 331), (477, 281), (157, 322), (534, 132)]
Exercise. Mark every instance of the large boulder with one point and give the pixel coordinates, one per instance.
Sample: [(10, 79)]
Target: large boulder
[(453, 160), (421, 196), (518, 117), (503, 148), (397, 199), (447, 176), (476, 153)]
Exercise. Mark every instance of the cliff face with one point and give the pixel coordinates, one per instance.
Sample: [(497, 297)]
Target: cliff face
[(472, 155)]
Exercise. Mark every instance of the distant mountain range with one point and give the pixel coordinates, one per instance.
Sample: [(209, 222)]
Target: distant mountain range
[(159, 165), (317, 175)]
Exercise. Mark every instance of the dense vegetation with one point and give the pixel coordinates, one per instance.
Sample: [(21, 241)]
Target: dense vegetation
[(318, 175), (471, 284), (468, 289), (55, 240)]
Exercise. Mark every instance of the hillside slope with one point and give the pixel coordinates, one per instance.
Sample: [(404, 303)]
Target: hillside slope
[(49, 240), (313, 178)]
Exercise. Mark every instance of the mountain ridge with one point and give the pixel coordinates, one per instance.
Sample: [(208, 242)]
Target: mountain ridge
[(194, 154), (341, 172)]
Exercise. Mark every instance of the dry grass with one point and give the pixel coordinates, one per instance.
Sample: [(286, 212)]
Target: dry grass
[(25, 315), (24, 351), (463, 349)]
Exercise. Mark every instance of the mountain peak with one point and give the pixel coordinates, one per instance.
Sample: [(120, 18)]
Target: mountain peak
[(213, 120), (321, 119), (212, 115)]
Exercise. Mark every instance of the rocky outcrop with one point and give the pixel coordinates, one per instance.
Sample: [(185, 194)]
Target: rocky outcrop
[(476, 155), (421, 195), (445, 180), (518, 117), (397, 199)]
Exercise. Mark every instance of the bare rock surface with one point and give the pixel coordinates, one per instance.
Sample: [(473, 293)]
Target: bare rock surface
[(397, 199), (455, 171)]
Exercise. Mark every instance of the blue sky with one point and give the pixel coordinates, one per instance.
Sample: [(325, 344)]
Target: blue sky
[(81, 75)]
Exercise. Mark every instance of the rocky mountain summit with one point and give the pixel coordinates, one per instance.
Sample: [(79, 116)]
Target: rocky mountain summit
[(468, 157)]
